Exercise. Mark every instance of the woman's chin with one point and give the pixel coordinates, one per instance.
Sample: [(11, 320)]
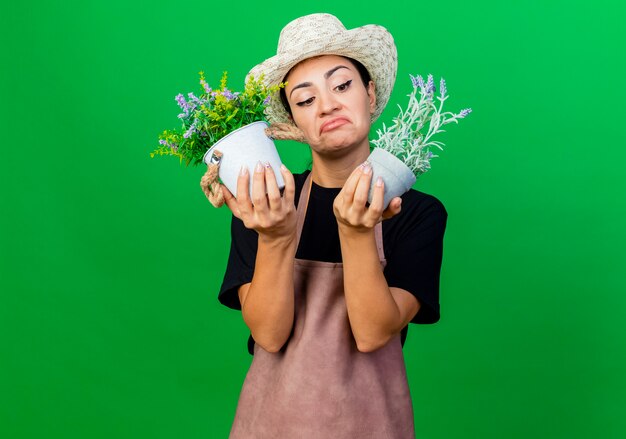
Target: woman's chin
[(336, 140), (337, 149)]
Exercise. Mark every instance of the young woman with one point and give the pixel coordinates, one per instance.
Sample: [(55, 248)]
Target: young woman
[(326, 282)]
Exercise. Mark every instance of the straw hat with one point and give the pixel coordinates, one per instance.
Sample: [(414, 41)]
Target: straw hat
[(324, 34)]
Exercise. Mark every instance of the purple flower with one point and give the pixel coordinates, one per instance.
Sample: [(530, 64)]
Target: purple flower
[(207, 89), (228, 94), (266, 100), (464, 112), (163, 142), (429, 155), (191, 130), (195, 100), (182, 103), (442, 87), (430, 84), (417, 81)]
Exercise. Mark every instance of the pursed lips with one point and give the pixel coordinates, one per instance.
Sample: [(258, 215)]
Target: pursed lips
[(333, 123)]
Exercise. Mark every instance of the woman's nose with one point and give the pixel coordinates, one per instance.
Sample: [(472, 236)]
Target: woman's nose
[(328, 103)]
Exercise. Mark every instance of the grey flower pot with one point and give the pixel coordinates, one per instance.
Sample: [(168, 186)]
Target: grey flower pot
[(397, 176), (245, 147)]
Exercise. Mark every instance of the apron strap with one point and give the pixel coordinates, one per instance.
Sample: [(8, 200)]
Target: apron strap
[(303, 203)]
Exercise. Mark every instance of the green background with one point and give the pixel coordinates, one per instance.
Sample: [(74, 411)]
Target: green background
[(110, 261)]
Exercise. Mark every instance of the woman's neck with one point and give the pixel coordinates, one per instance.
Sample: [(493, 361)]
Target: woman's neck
[(334, 171)]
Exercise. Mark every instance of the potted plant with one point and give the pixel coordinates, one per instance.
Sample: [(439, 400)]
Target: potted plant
[(225, 130), (403, 151)]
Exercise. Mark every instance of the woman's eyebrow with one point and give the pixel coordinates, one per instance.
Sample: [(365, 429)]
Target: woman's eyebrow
[(302, 85), (333, 70), (326, 76)]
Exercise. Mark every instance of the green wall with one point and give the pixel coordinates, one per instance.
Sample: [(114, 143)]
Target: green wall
[(110, 261)]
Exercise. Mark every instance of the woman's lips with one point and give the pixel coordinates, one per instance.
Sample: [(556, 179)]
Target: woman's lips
[(333, 123)]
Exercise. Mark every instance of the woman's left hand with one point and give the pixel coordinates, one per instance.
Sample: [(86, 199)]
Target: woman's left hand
[(350, 207)]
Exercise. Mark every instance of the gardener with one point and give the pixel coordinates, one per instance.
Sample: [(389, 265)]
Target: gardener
[(328, 289)]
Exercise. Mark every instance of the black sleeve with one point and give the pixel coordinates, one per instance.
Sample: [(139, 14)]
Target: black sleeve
[(240, 266), (414, 263)]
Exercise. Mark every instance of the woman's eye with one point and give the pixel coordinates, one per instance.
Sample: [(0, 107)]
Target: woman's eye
[(344, 86), (305, 103)]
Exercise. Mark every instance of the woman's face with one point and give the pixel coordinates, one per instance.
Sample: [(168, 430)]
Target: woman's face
[(330, 104)]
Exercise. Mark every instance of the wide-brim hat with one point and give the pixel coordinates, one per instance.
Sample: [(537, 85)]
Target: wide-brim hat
[(323, 34)]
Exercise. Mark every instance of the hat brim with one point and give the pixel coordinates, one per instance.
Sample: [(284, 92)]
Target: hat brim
[(371, 45)]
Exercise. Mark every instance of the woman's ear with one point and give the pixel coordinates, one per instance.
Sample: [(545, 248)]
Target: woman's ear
[(371, 88)]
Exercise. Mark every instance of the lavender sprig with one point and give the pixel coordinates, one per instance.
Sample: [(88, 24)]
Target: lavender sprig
[(191, 130), (182, 103), (405, 138), (212, 114), (229, 94)]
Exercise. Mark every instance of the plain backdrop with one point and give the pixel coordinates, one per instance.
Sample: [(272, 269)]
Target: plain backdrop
[(110, 261)]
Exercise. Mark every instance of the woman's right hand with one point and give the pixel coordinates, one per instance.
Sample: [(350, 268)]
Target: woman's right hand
[(270, 214)]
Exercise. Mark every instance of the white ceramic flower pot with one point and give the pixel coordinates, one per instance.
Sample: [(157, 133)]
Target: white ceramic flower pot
[(245, 147), (397, 176)]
